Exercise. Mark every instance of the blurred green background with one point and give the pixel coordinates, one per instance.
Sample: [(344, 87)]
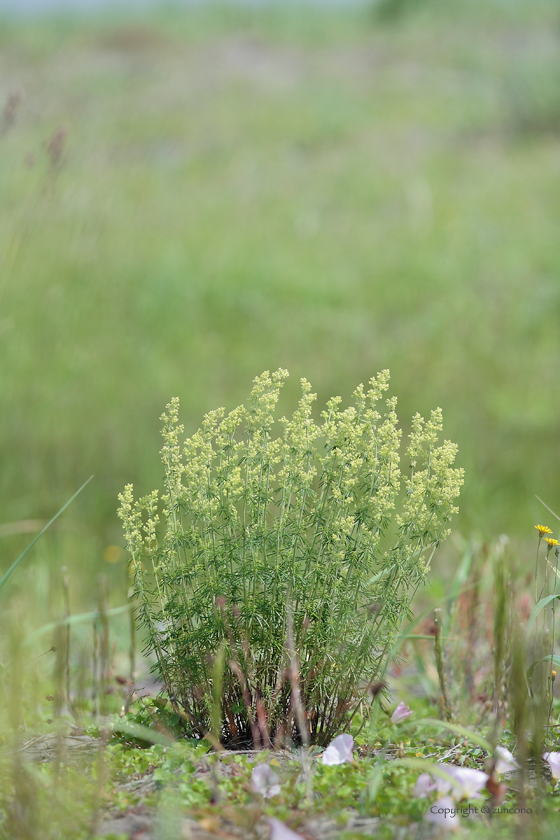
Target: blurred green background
[(191, 197)]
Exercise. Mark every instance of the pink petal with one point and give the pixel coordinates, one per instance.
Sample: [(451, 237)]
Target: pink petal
[(424, 786), (467, 782), (505, 762), (281, 831), (402, 712), (443, 813), (265, 781), (553, 759), (339, 750)]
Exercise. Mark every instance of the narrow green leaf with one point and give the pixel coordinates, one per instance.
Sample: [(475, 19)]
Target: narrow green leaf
[(16, 563), (143, 733), (375, 778), (380, 575), (538, 609), (424, 636), (458, 730), (547, 507), (75, 619), (463, 570), (550, 658), (407, 632)]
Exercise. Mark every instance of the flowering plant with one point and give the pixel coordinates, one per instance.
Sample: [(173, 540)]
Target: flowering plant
[(285, 565)]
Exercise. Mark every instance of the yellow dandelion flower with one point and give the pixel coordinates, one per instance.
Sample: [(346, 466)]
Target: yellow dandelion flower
[(550, 542), (542, 529)]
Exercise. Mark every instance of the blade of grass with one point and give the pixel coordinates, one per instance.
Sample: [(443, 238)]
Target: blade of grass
[(444, 702), (458, 730), (547, 507), (427, 637), (74, 619), (406, 633), (537, 609), (16, 563), (549, 658), (143, 733)]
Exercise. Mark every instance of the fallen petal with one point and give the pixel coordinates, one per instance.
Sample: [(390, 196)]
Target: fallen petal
[(339, 750), (553, 759), (265, 781), (280, 831), (443, 813), (505, 761), (443, 787), (467, 782), (424, 786)]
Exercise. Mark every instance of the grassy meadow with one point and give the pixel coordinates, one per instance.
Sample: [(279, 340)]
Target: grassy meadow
[(189, 198), (240, 191)]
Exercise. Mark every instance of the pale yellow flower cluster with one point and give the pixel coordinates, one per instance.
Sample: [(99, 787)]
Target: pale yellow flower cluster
[(256, 520)]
